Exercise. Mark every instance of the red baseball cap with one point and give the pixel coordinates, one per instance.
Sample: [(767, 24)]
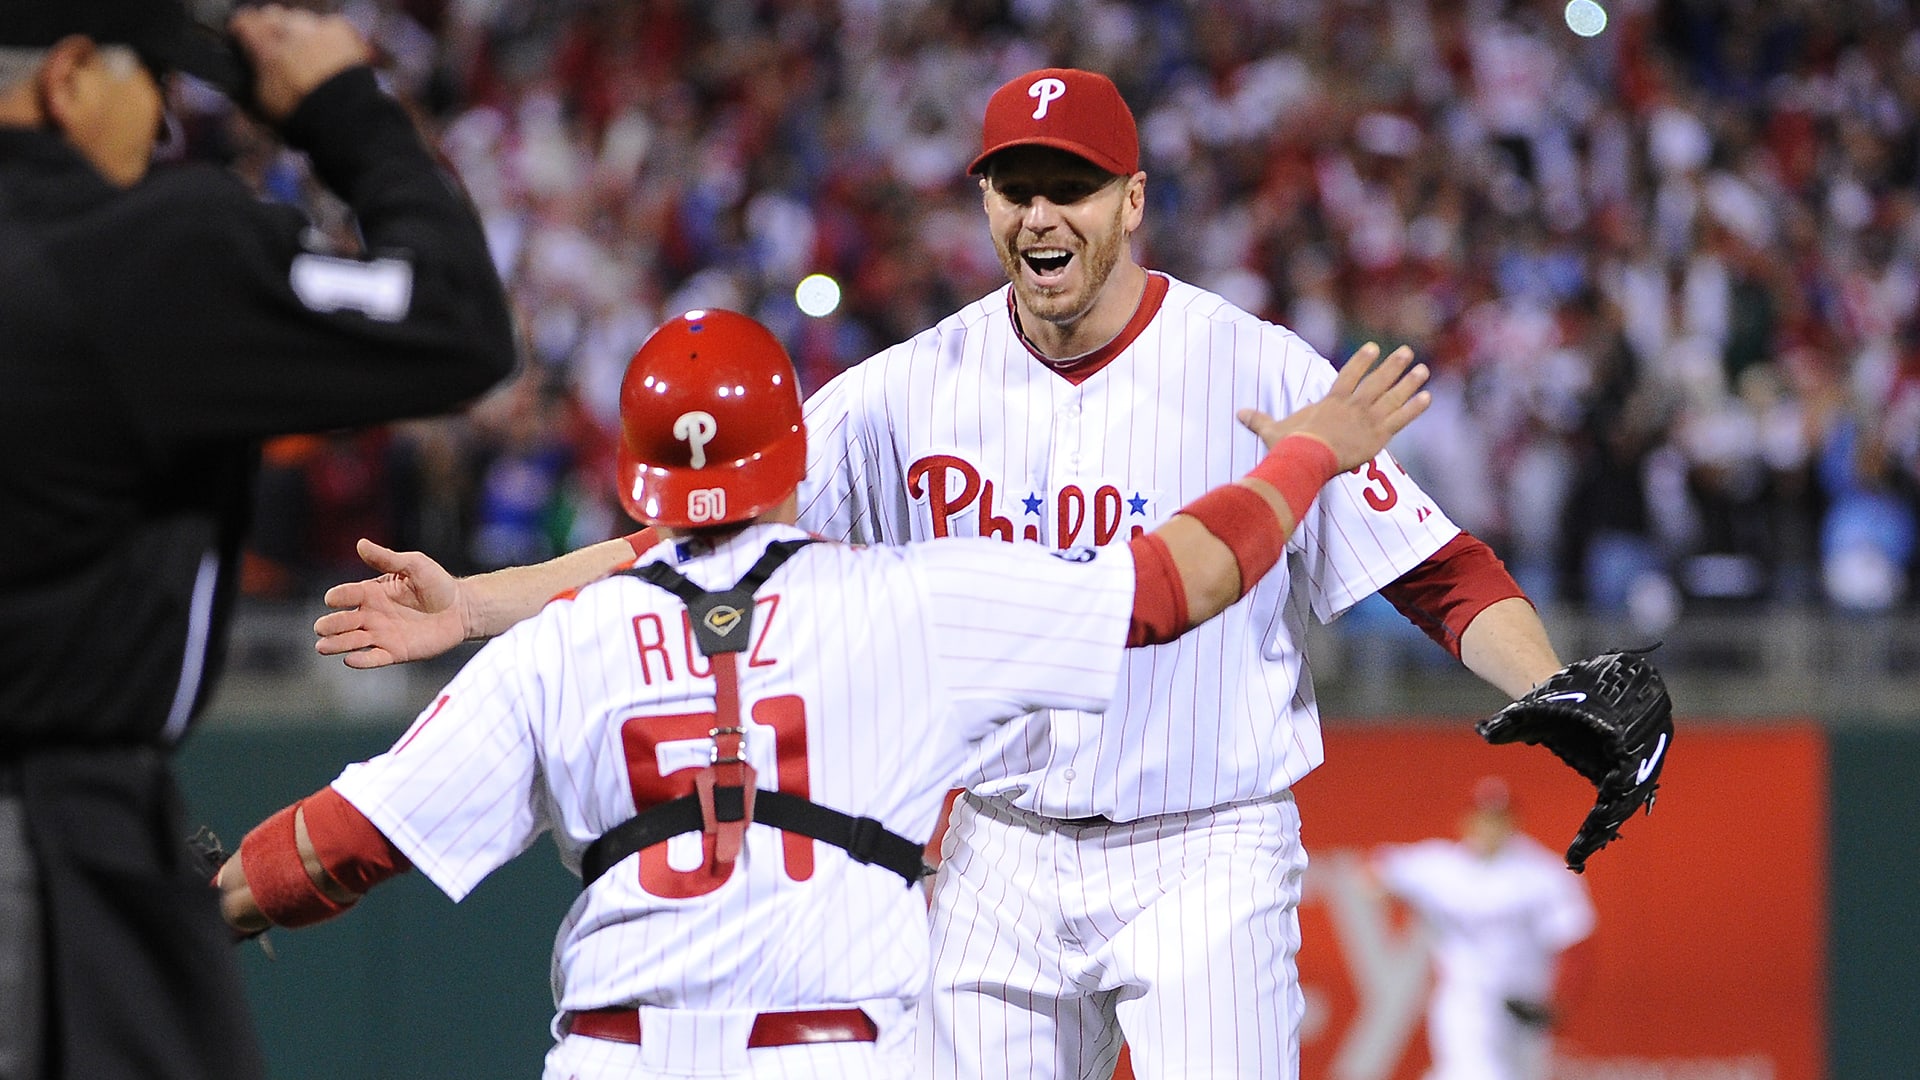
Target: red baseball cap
[(1080, 112)]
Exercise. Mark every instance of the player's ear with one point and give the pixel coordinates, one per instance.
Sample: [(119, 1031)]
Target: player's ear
[(1136, 201)]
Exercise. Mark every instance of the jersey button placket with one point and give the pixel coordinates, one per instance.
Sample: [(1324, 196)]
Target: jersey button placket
[(1067, 456)]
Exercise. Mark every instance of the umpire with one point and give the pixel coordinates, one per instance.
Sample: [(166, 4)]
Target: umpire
[(153, 329)]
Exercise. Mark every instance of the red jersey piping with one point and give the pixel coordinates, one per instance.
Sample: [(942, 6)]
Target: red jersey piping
[(1085, 367)]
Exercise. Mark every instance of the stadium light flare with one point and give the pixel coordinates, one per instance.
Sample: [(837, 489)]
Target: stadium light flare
[(818, 295), (1586, 17)]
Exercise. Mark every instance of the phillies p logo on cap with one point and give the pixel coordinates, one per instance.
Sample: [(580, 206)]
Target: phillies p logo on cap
[(1080, 112), (1045, 90)]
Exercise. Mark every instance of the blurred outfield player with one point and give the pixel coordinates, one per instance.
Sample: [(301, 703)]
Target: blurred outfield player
[(1509, 928), (1137, 873), (742, 672), (156, 324)]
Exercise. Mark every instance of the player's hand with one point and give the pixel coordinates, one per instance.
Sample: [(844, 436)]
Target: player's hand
[(1366, 406), (294, 51), (237, 907), (412, 611)]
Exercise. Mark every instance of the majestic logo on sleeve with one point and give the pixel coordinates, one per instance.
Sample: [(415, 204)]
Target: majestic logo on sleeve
[(1045, 91), (962, 502), (696, 429)]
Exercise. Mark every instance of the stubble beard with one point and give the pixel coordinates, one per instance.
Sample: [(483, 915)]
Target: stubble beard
[(1064, 307)]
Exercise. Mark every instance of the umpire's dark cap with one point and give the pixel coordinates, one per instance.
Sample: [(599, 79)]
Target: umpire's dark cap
[(160, 31)]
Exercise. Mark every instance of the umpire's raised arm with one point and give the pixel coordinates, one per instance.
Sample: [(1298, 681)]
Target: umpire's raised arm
[(264, 329)]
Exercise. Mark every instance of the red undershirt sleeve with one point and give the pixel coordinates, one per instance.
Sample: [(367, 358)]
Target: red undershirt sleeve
[(1444, 594)]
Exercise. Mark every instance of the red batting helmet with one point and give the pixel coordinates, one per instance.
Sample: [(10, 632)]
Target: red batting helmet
[(710, 428)]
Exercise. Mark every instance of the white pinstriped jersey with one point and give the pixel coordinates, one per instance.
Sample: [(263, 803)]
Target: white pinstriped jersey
[(964, 431), (1499, 921), (870, 673)]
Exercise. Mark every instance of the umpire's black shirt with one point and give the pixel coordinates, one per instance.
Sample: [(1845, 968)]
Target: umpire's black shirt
[(149, 339)]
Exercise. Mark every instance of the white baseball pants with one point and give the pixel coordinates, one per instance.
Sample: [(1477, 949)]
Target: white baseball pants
[(1051, 939)]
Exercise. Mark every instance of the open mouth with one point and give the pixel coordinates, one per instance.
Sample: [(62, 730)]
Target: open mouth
[(1046, 262)]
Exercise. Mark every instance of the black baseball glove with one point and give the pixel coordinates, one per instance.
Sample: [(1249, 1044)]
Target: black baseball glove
[(1611, 719), (209, 855), (206, 852)]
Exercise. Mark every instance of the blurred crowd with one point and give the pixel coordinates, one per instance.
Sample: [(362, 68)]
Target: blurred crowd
[(1668, 276)]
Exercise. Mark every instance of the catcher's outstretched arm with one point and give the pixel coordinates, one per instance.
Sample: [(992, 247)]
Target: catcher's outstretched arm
[(1507, 645), (307, 863)]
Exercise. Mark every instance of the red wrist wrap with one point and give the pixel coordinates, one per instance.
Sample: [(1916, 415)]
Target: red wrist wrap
[(270, 855), (1244, 521), (358, 855), (1159, 599), (1298, 466)]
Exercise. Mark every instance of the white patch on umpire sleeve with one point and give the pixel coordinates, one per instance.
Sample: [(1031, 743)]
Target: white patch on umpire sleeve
[(380, 289), (193, 664)]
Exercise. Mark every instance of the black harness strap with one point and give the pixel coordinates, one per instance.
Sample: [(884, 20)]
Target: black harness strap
[(863, 838), (717, 618)]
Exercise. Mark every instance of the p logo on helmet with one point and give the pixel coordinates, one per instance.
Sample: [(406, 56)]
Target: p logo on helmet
[(710, 423), (696, 429)]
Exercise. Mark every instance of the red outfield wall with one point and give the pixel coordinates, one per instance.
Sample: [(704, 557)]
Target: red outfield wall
[(1707, 960)]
